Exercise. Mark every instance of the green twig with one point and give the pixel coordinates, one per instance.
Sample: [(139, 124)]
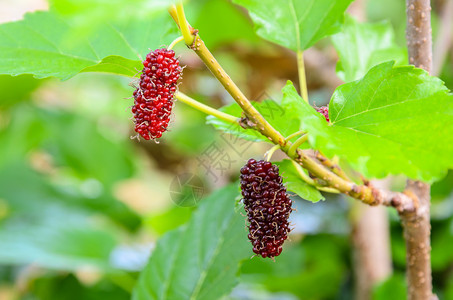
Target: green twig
[(289, 137), (296, 145), (184, 25), (206, 109)]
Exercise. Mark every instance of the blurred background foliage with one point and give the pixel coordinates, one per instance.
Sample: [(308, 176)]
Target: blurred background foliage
[(82, 204)]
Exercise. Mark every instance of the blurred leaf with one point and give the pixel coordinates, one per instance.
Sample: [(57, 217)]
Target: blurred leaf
[(393, 287), (296, 24), (15, 89), (69, 288), (269, 109), (443, 188), (442, 246), (170, 219), (94, 11), (200, 260), (55, 244), (313, 269), (85, 173), (44, 44), (295, 184), (449, 287), (43, 229), (220, 28), (364, 45), (182, 132), (389, 122)]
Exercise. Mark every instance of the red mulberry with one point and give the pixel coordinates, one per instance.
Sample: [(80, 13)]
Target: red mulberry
[(323, 110), (267, 205), (154, 95)]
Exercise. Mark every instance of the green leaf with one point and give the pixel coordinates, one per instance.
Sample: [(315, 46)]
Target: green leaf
[(361, 46), (296, 24), (295, 184), (44, 44), (275, 114), (232, 25), (200, 260), (396, 120)]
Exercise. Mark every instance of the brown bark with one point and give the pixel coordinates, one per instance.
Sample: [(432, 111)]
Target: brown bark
[(418, 33), (416, 224), (417, 230)]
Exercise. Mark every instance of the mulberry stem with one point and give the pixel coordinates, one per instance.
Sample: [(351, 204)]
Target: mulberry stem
[(206, 109), (297, 144)]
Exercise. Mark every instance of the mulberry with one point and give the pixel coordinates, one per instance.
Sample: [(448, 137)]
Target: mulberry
[(154, 95), (323, 110), (267, 205)]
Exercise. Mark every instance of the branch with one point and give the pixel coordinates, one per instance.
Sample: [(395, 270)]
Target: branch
[(254, 120), (416, 223), (418, 33)]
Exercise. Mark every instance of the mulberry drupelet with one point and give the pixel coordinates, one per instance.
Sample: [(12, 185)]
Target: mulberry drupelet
[(154, 95), (324, 110), (267, 205)]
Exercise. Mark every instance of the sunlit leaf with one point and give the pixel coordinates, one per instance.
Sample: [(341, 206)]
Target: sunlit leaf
[(296, 24), (44, 44), (361, 46), (384, 123)]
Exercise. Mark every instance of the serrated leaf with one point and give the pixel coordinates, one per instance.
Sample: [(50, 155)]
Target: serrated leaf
[(296, 24), (275, 114), (361, 46), (396, 120), (295, 184), (44, 44), (200, 260)]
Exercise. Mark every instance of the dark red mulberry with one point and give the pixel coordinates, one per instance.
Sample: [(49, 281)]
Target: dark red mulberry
[(267, 205), (154, 95), (323, 110)]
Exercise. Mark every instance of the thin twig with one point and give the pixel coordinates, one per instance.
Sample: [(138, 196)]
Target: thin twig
[(206, 109), (254, 120)]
